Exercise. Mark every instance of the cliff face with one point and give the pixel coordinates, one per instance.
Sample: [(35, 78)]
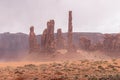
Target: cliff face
[(19, 41), (13, 42), (12, 45)]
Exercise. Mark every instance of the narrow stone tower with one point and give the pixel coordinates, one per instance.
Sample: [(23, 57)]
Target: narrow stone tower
[(70, 30), (33, 44)]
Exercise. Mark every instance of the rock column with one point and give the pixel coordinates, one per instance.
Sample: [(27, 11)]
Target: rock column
[(70, 30), (44, 40), (60, 40), (33, 44), (47, 39)]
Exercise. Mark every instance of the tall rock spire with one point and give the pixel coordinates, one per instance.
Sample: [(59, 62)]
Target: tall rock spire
[(47, 39), (70, 29), (33, 44)]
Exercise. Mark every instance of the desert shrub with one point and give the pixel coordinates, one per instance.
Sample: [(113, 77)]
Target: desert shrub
[(58, 73), (65, 64), (103, 78), (76, 77), (100, 67), (54, 64), (84, 61), (98, 62), (43, 67), (19, 78), (105, 62), (115, 63), (86, 76), (114, 60), (30, 66), (114, 69), (110, 77), (59, 78), (35, 79), (93, 78), (110, 66), (115, 77)]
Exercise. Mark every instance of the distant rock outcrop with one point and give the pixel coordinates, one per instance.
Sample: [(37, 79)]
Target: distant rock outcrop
[(33, 44), (111, 42), (44, 40), (47, 39), (71, 46), (116, 42), (84, 43), (60, 42)]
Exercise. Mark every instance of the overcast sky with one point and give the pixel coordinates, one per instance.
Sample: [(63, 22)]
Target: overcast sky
[(88, 15)]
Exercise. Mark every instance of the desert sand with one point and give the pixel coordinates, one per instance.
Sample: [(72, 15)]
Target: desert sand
[(67, 70), (80, 66)]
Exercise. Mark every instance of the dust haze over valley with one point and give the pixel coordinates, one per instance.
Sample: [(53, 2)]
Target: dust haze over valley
[(14, 50)]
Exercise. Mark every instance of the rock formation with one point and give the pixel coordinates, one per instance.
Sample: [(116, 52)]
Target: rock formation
[(98, 46), (47, 40), (112, 42), (33, 44), (60, 40), (116, 42), (44, 40), (108, 42), (70, 30), (84, 43)]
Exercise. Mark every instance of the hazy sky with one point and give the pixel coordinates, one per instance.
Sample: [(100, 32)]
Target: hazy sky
[(88, 15)]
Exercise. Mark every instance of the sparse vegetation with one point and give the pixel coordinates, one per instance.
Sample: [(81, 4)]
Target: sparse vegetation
[(76, 70)]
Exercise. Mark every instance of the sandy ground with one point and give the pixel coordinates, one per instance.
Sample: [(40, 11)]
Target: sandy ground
[(64, 70), (73, 66)]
